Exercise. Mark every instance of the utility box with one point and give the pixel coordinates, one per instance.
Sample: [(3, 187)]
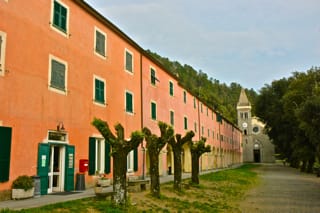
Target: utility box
[(83, 165)]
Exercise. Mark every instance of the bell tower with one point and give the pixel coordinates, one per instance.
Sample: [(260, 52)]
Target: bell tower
[(245, 124)]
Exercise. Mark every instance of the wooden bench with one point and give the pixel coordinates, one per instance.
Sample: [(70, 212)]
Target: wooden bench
[(137, 185)]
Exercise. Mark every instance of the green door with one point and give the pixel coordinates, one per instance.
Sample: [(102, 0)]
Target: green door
[(69, 169), (43, 166), (5, 150)]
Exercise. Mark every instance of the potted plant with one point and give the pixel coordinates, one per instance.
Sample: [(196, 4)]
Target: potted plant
[(22, 187), (101, 182)]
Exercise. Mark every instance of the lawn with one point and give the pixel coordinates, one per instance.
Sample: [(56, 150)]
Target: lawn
[(217, 192)]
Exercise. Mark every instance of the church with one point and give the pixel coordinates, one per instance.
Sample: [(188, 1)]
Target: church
[(256, 145)]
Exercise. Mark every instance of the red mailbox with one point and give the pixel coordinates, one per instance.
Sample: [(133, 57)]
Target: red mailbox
[(83, 165)]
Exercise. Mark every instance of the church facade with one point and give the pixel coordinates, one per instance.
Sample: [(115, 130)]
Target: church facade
[(257, 147)]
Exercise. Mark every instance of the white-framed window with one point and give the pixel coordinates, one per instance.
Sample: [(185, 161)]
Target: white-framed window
[(130, 161), (60, 17), (100, 43), (171, 89), (99, 90), (58, 75), (171, 117), (153, 77), (128, 61), (3, 39), (129, 102), (153, 110)]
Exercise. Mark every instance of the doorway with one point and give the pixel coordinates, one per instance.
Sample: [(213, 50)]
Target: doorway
[(56, 168), (256, 156)]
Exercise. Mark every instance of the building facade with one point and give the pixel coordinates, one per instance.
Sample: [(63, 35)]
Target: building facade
[(257, 146), (63, 64)]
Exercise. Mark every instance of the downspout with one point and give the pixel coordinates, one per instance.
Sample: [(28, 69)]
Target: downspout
[(141, 117)]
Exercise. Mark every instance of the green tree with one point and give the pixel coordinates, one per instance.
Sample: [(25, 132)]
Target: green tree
[(176, 144), (120, 149), (197, 149), (154, 146)]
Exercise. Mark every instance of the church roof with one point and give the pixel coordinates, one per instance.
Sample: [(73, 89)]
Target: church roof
[(243, 99)]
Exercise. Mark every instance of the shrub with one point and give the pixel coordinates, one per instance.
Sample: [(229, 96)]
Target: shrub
[(23, 182)]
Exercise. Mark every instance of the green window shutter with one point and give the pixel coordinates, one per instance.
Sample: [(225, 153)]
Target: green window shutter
[(107, 162), (5, 150), (185, 123), (153, 76), (60, 16), (92, 156), (100, 43), (129, 102), (153, 111), (99, 91), (170, 88), (128, 61), (58, 75), (135, 159), (69, 168), (172, 118)]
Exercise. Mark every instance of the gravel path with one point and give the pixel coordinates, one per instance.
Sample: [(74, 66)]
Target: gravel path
[(283, 189)]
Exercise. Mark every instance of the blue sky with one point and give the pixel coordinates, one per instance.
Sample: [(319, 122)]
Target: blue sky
[(251, 42)]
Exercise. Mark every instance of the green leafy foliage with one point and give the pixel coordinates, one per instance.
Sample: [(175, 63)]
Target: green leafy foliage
[(212, 92), (23, 182)]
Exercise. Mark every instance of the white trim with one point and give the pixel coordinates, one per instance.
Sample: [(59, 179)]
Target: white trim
[(65, 34), (102, 143), (105, 43), (3, 53), (94, 91), (125, 102), (125, 60), (52, 57)]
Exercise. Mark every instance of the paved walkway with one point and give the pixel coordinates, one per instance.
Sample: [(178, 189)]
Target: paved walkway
[(52, 198), (283, 189)]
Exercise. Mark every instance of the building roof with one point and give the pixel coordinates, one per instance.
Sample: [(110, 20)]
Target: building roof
[(243, 99)]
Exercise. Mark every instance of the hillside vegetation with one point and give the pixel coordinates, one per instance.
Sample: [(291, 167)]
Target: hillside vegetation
[(219, 96)]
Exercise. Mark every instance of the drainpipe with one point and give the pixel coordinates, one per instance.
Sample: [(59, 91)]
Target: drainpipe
[(141, 117)]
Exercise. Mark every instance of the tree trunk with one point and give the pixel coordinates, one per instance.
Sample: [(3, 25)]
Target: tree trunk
[(119, 179), (177, 168), (195, 168), (154, 174)]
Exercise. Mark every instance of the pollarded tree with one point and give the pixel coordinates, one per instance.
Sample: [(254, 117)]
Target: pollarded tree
[(177, 143), (154, 146), (197, 149), (120, 149)]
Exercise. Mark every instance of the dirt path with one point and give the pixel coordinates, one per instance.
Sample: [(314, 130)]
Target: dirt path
[(283, 189)]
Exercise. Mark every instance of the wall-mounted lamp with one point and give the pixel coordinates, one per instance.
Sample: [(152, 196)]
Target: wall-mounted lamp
[(60, 126)]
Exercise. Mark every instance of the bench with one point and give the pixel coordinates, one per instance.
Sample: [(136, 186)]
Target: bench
[(137, 185)]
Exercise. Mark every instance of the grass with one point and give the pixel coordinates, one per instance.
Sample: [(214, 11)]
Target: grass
[(217, 192)]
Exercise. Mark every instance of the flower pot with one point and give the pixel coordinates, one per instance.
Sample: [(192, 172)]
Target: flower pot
[(103, 182), (22, 194)]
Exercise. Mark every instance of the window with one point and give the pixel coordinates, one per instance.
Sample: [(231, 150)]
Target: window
[(99, 156), (194, 103), (208, 133), (57, 75), (185, 121), (195, 127), (171, 88), (2, 52), (201, 108), (202, 130), (153, 76), (99, 90), (184, 97), (207, 111), (172, 118), (60, 16), (128, 61), (132, 160), (129, 102), (153, 111), (100, 43), (5, 150)]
